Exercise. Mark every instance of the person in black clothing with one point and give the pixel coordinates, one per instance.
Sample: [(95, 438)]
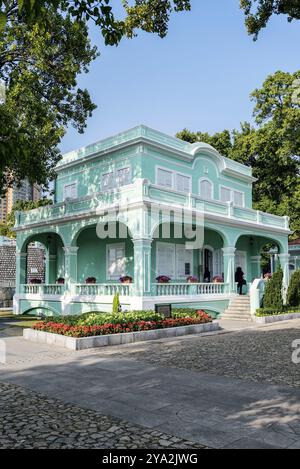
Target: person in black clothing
[(206, 276), (239, 278)]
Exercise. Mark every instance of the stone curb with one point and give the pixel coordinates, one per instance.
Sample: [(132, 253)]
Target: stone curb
[(83, 343), (276, 318)]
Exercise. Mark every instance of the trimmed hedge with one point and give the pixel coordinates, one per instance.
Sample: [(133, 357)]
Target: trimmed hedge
[(276, 311), (273, 293), (293, 293)]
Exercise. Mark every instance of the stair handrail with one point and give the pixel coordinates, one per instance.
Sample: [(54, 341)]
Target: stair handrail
[(257, 291)]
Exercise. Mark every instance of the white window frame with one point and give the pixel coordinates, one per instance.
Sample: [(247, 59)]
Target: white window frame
[(232, 191), (114, 173), (177, 173), (161, 168), (174, 175), (211, 190), (116, 246), (174, 260), (75, 183)]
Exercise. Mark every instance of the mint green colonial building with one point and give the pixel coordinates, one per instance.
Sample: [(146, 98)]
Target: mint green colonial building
[(139, 184)]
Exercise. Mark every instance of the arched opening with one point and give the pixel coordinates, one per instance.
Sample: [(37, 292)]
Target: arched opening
[(174, 256), (42, 259), (257, 255), (104, 255)]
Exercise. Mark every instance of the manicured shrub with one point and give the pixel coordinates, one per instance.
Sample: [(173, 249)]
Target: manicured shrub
[(273, 293), (109, 328), (116, 303), (293, 294)]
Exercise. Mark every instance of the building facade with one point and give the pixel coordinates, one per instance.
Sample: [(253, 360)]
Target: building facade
[(294, 250), (26, 191), (145, 205)]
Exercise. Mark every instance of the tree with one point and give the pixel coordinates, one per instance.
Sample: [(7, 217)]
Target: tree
[(293, 294), (44, 45), (116, 306), (259, 12), (273, 293), (148, 15), (271, 147), (42, 97), (20, 206)]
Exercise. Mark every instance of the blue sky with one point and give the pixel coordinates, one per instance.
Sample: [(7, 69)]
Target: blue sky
[(199, 76)]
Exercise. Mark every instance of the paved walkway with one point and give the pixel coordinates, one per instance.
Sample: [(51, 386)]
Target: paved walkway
[(189, 387)]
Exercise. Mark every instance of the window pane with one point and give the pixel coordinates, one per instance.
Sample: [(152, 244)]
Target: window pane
[(206, 189), (116, 261), (238, 198), (183, 183), (225, 194), (164, 178), (70, 191), (165, 261), (123, 176), (108, 181)]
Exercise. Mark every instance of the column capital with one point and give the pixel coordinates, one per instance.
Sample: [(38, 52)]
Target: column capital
[(284, 257), (142, 241), (229, 251), (71, 249)]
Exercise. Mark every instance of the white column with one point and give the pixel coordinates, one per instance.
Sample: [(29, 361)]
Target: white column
[(142, 266), (70, 266), (284, 262), (229, 267)]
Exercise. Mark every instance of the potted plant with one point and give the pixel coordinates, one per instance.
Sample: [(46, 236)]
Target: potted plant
[(218, 279), (36, 281), (192, 279), (60, 281), (90, 280), (126, 279), (163, 279)]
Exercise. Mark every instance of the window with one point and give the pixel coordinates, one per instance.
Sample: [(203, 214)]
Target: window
[(115, 261), (117, 178), (174, 260), (70, 191), (225, 194), (183, 183), (123, 177), (238, 198), (108, 181), (230, 195), (165, 178), (206, 189)]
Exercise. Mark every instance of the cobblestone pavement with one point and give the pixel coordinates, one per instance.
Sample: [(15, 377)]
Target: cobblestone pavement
[(261, 355), (31, 420)]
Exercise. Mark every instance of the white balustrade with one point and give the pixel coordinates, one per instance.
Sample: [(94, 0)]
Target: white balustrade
[(94, 289), (181, 289)]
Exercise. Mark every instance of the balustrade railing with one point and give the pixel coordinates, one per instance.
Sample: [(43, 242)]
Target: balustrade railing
[(41, 289), (178, 289), (95, 289)]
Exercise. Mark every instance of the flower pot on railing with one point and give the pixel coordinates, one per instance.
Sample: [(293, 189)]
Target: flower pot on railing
[(218, 279), (192, 279), (90, 280), (163, 279), (268, 276), (126, 279), (36, 281), (60, 281)]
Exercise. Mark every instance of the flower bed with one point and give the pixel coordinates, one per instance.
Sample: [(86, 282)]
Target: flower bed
[(125, 326)]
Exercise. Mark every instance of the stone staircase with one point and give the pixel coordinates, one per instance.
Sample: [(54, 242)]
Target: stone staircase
[(238, 309)]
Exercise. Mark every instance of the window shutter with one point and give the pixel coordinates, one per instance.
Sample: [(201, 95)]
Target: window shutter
[(238, 198), (165, 261), (164, 178), (225, 194), (183, 183), (206, 189)]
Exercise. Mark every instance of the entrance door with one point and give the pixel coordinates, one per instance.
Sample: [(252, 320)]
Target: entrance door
[(241, 261), (208, 262)]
